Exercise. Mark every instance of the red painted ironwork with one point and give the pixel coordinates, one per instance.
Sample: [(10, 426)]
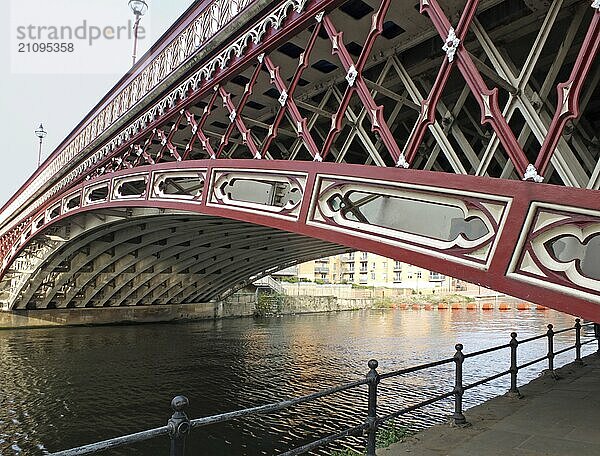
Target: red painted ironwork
[(520, 194), (486, 98), (567, 106), (197, 133), (356, 83), (289, 105), (235, 116)]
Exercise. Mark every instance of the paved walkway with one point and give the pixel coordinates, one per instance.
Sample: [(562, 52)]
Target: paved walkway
[(554, 417)]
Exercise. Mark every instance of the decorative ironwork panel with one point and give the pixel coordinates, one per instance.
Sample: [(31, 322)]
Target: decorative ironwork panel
[(560, 249), (185, 185), (279, 194), (460, 226)]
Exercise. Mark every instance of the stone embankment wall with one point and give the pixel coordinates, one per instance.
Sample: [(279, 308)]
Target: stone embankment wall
[(269, 305), (238, 306)]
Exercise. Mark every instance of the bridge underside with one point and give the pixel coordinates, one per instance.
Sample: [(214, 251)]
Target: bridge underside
[(135, 257)]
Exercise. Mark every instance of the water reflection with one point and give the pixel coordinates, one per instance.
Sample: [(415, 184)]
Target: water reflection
[(66, 387)]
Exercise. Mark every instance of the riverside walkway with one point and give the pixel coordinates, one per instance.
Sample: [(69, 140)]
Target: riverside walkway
[(553, 417)]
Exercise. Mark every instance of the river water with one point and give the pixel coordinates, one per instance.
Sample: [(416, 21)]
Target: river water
[(65, 387)]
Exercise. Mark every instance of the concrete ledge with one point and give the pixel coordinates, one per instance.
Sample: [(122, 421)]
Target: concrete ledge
[(121, 315), (553, 418)]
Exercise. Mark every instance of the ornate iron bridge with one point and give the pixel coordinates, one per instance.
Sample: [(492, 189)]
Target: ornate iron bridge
[(461, 136)]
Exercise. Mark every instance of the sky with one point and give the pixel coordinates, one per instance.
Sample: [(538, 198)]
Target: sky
[(59, 89)]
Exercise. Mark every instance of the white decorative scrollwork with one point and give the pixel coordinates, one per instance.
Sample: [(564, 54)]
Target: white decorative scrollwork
[(532, 174), (351, 75), (451, 44), (178, 185), (559, 249), (596, 4), (462, 228), (139, 181), (279, 194), (283, 98)]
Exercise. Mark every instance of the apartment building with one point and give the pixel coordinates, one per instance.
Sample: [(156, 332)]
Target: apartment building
[(365, 268)]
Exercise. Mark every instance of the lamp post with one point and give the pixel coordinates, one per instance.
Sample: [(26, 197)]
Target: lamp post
[(40, 133), (139, 8)]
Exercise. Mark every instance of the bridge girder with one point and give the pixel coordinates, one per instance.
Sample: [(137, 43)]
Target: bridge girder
[(246, 217)]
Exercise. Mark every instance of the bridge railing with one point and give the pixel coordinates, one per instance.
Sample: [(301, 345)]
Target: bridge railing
[(269, 282), (179, 425)]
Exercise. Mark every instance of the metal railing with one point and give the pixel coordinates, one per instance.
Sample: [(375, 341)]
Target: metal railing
[(179, 425), (269, 282)]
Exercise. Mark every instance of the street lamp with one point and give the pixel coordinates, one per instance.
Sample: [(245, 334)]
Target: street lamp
[(139, 8), (40, 133)]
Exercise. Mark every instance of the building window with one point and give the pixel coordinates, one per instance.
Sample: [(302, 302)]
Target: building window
[(372, 276), (363, 266), (363, 278), (351, 277), (363, 255), (419, 275), (397, 278), (398, 265), (436, 277), (351, 267), (385, 265)]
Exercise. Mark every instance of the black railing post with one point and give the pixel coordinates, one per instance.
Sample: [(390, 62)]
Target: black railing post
[(550, 334), (578, 341), (458, 417), (597, 335), (514, 368), (373, 379), (179, 425)]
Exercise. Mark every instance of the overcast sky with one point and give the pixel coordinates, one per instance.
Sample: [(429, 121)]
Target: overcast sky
[(60, 89)]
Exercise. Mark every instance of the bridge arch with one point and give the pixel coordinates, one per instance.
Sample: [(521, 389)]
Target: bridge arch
[(272, 214)]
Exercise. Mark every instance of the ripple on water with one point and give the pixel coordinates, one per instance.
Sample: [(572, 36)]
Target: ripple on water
[(71, 386)]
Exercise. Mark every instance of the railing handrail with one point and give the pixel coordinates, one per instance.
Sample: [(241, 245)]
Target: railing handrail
[(372, 379), (270, 282)]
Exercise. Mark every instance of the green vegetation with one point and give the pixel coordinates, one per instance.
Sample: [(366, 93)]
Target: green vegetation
[(389, 435), (268, 305), (421, 299), (346, 452), (293, 279), (386, 436)]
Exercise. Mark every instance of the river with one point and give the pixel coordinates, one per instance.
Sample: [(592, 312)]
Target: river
[(64, 387)]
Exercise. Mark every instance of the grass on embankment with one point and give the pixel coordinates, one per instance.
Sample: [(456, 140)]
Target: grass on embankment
[(421, 299), (386, 436)]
